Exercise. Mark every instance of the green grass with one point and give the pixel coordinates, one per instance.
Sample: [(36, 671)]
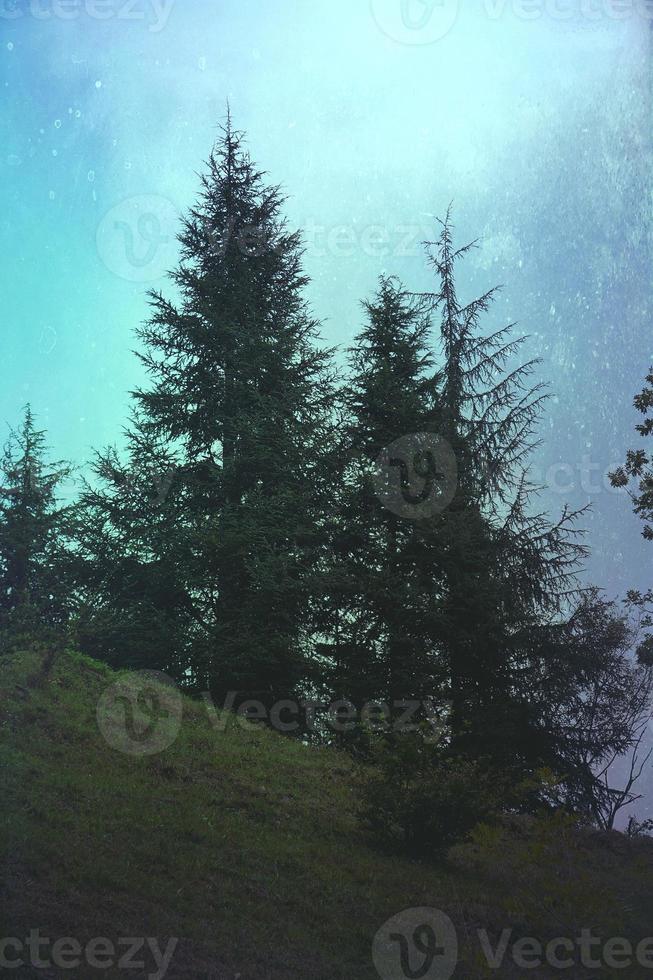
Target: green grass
[(247, 847)]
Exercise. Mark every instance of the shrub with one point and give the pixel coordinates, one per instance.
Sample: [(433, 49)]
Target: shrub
[(415, 795)]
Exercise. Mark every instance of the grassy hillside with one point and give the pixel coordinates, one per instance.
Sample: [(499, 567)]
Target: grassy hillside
[(246, 847)]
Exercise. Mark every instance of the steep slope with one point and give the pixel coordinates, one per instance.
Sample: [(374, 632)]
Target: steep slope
[(245, 846)]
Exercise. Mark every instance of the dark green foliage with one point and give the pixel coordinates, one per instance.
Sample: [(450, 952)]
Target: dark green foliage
[(35, 580), (267, 535), (379, 589), (587, 706), (238, 414), (505, 567), (133, 543), (475, 601), (416, 796), (443, 603)]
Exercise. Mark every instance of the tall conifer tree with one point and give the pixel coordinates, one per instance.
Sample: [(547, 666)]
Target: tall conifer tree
[(35, 582), (451, 601), (507, 569), (239, 403), (378, 646)]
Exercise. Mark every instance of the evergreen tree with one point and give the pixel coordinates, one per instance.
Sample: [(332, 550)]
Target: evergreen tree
[(447, 595), (455, 592), (35, 582), (378, 647), (133, 546), (506, 569), (240, 401)]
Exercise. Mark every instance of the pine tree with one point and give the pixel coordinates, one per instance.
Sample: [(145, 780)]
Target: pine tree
[(132, 553), (240, 399), (506, 569), (378, 647), (448, 595), (35, 581)]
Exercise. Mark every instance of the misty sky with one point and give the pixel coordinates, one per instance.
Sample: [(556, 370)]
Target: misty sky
[(533, 118)]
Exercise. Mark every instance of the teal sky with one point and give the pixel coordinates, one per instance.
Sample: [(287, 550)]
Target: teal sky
[(373, 116)]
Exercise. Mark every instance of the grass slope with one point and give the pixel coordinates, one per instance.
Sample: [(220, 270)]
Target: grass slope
[(246, 846)]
